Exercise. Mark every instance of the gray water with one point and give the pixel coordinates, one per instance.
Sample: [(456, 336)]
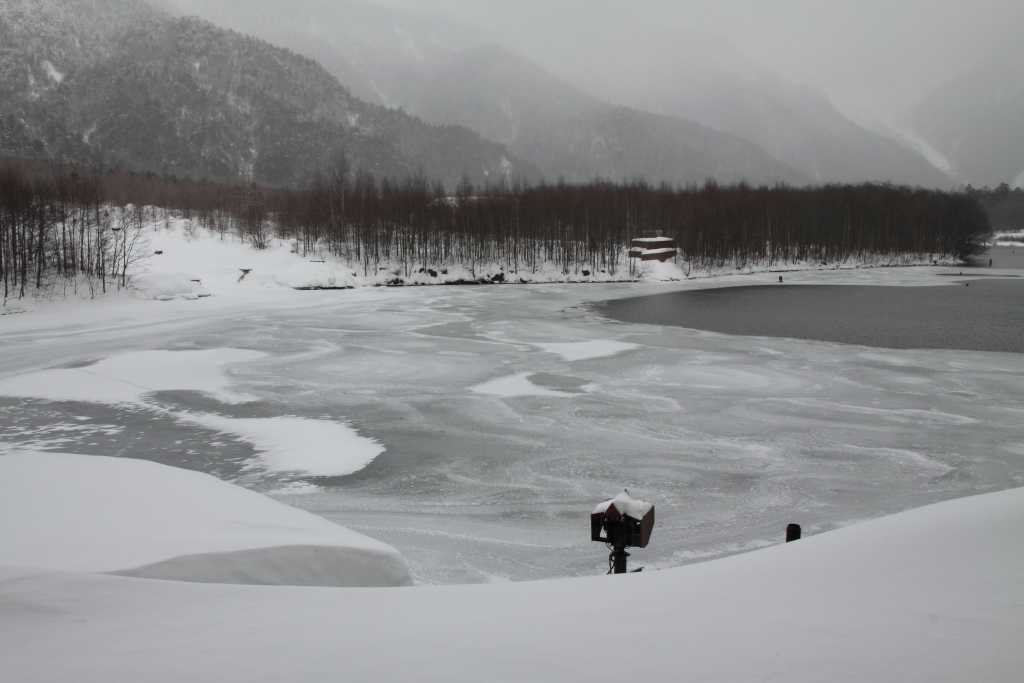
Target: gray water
[(975, 315)]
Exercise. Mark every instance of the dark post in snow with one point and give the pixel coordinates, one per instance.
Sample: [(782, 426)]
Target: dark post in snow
[(792, 532), (626, 523)]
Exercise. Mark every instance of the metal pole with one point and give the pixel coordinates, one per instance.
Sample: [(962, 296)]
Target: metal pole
[(619, 556)]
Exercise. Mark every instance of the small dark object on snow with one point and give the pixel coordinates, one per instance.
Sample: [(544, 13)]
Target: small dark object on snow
[(990, 263), (432, 273), (500, 277), (626, 523), (586, 273), (444, 272), (158, 252), (792, 532), (780, 278), (245, 271)]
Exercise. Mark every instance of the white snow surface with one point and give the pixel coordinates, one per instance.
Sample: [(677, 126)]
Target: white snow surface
[(167, 286), (932, 594), (137, 518), (516, 385), (626, 505), (595, 348), (128, 377), (321, 448)]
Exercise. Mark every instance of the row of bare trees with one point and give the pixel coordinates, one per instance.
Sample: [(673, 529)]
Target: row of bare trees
[(416, 224), (59, 230), (58, 226)]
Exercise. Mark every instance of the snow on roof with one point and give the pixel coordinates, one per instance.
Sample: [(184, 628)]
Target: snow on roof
[(664, 250), (652, 240), (625, 505)]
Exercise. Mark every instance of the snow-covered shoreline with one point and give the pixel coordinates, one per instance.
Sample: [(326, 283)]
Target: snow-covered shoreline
[(932, 594), (178, 259)]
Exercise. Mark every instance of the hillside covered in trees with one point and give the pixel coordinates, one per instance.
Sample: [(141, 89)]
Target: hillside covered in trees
[(117, 83)]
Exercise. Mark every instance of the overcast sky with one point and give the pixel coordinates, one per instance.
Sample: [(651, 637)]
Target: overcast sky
[(871, 55)]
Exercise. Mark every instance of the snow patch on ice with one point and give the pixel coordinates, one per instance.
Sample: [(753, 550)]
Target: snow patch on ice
[(127, 377), (516, 385), (320, 448), (595, 348)]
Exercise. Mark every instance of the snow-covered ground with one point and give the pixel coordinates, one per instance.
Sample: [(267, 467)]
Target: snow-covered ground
[(932, 594), (137, 518), (474, 429)]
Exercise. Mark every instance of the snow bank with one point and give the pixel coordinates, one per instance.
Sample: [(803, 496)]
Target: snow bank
[(138, 518), (311, 275), (127, 377), (933, 594), (167, 286)]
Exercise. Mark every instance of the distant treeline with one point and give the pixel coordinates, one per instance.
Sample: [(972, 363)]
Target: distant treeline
[(1004, 206), (57, 225)]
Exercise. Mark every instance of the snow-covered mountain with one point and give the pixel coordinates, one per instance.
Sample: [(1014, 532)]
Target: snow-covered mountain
[(120, 83), (705, 79), (976, 120), (387, 55), (570, 134)]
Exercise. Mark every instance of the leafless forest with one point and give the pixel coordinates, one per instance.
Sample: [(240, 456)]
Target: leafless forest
[(62, 227)]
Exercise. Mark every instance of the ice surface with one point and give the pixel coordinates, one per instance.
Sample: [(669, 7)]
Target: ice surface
[(933, 594), (127, 377), (137, 518), (730, 437), (595, 348)]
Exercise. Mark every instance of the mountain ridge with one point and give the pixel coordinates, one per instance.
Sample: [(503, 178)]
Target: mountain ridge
[(119, 83)]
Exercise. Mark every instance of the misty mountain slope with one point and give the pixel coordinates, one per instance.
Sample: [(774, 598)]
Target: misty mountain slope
[(976, 119), (380, 53), (705, 79), (183, 96), (570, 134)]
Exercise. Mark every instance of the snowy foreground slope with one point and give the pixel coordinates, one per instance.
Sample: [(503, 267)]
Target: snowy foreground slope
[(139, 518), (932, 594)]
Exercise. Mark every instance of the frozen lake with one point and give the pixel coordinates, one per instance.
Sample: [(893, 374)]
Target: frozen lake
[(505, 413)]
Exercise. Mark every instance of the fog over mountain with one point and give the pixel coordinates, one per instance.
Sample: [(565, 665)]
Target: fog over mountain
[(976, 120), (922, 93), (690, 60)]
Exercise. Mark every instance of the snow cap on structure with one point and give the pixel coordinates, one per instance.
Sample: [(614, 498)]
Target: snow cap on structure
[(625, 505)]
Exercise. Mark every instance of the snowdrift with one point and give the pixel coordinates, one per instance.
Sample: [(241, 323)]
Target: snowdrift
[(932, 594), (138, 518), (167, 286)]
